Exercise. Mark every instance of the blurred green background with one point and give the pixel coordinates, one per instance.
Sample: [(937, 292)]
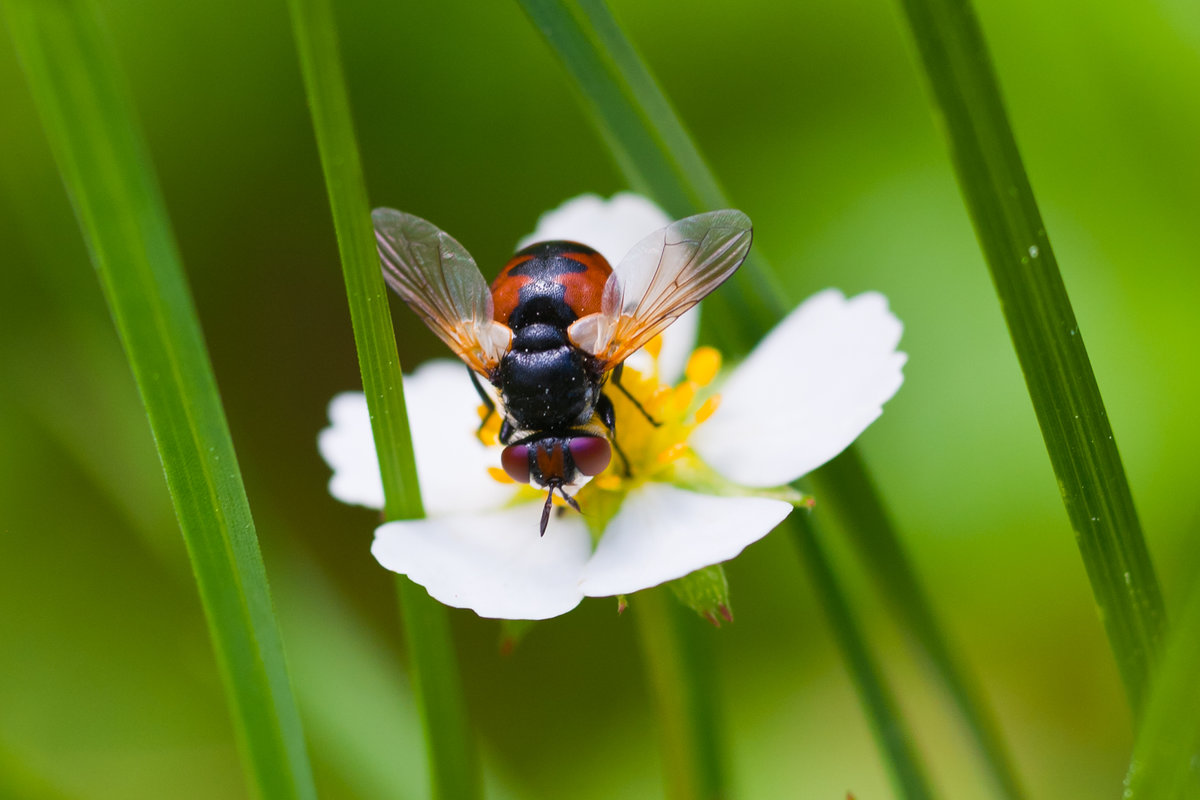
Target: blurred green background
[(814, 117)]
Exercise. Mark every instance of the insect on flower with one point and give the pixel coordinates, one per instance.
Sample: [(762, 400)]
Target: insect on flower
[(555, 327)]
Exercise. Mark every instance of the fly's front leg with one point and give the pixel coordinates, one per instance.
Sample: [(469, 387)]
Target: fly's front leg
[(608, 416), (616, 379)]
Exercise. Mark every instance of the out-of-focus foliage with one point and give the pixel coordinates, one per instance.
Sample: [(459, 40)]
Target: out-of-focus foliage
[(815, 120)]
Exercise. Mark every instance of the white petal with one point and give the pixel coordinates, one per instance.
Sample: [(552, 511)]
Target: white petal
[(806, 392), (611, 226), (451, 461), (662, 533), (347, 446), (495, 564)]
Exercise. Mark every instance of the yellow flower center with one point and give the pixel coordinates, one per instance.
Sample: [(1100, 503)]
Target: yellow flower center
[(652, 450)]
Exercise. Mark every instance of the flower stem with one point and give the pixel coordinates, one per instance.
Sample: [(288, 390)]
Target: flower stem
[(453, 760), (683, 681), (908, 774)]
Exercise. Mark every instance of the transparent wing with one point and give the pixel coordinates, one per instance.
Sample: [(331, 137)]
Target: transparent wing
[(438, 279), (663, 276)]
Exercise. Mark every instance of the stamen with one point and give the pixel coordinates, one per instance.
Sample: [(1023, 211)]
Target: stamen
[(499, 475), (683, 396), (607, 481), (703, 365), (489, 427), (708, 408)]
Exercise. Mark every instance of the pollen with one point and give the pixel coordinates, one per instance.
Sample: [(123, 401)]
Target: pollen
[(672, 453)]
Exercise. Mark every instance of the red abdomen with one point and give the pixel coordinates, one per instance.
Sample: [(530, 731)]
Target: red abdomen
[(552, 282)]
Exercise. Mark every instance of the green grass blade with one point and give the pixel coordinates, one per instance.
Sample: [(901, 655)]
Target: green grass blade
[(453, 761), (1045, 334), (908, 775), (90, 123), (374, 338), (845, 483), (658, 157), (682, 681), (653, 150), (1164, 764)]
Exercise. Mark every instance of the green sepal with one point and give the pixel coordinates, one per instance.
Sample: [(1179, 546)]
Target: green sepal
[(602, 505), (705, 591), (512, 633), (696, 476)]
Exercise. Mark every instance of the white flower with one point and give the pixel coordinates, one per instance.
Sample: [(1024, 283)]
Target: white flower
[(804, 394)]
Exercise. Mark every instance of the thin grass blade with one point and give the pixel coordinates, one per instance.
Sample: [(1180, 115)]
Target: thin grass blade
[(453, 760), (846, 484), (683, 682), (891, 734), (1166, 753), (653, 150), (89, 119), (657, 155), (1045, 334)]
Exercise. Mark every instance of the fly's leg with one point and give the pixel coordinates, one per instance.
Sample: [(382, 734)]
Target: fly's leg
[(608, 416), (616, 379), (487, 400)]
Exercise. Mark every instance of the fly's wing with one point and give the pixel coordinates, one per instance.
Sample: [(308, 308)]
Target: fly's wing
[(663, 276), (438, 279)]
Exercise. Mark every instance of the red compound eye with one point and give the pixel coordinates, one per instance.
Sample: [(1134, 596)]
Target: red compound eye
[(515, 460), (590, 453)]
